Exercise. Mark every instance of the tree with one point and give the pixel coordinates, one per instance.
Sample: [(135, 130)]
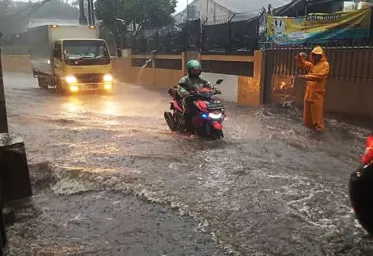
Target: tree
[(4, 5), (118, 15)]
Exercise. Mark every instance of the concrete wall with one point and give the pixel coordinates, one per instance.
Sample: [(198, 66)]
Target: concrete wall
[(229, 87), (342, 96), (350, 97), (241, 89), (149, 76), (349, 88), (17, 63), (161, 78), (238, 89)]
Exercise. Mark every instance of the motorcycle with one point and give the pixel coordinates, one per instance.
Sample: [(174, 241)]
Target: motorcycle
[(361, 189), (205, 116)]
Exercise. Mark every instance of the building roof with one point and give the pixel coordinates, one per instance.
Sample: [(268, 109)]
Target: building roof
[(251, 6), (297, 7)]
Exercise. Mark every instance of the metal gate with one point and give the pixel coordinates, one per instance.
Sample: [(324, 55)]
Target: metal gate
[(280, 71), (269, 71)]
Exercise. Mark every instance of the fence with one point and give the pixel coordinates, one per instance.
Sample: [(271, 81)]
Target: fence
[(168, 40), (233, 37), (350, 82), (239, 37), (352, 60)]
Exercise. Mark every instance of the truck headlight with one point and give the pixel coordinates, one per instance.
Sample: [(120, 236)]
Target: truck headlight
[(108, 78), (108, 86), (74, 88), (71, 79)]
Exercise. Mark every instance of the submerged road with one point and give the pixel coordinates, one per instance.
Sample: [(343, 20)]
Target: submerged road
[(271, 187)]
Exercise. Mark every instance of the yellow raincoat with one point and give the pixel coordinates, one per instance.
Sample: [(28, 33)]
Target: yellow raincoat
[(313, 114)]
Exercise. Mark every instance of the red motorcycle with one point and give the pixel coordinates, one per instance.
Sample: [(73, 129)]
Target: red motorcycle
[(205, 114), (361, 189)]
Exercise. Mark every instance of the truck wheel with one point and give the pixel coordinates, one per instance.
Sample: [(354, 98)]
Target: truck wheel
[(42, 83), (59, 89)]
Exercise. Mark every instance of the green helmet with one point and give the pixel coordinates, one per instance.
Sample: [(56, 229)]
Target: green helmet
[(194, 64)]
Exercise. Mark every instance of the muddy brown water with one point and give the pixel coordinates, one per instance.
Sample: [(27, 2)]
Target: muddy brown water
[(271, 187)]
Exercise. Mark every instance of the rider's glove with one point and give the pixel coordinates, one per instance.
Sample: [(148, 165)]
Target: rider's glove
[(217, 91)]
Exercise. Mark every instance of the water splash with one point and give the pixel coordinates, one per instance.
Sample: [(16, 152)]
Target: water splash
[(142, 69), (146, 63)]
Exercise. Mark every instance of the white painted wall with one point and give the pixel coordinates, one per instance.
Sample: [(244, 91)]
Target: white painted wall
[(207, 9), (213, 12), (229, 87), (365, 4)]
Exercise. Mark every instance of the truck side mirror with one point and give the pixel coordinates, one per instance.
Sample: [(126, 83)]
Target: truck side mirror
[(119, 53), (55, 53)]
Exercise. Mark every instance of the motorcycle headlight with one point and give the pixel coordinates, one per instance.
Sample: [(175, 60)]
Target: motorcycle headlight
[(215, 116), (70, 79), (108, 78)]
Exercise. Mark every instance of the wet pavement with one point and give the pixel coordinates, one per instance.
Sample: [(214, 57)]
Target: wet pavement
[(271, 187)]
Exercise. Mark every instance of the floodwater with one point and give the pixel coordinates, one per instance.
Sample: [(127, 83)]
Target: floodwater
[(271, 187)]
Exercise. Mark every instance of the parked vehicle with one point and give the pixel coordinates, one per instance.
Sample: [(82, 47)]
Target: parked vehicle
[(361, 189), (205, 116), (70, 58)]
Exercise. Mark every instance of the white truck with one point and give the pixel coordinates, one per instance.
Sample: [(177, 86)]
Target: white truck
[(70, 58)]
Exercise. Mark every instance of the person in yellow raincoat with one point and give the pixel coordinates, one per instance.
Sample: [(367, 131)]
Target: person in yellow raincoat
[(317, 74)]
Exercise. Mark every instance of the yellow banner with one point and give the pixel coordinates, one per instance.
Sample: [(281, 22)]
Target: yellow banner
[(319, 27)]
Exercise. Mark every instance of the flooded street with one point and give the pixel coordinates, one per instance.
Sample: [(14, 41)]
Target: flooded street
[(108, 174)]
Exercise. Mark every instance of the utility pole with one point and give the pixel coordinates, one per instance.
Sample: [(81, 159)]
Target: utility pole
[(3, 116), (93, 13), (115, 8), (82, 17), (187, 9), (89, 13)]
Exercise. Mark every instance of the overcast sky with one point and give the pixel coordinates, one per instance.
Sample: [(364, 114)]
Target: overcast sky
[(181, 4)]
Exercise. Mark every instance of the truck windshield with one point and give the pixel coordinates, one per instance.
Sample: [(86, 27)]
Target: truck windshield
[(84, 49)]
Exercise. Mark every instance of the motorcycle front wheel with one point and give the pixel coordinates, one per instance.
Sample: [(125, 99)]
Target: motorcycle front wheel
[(209, 132), (218, 134)]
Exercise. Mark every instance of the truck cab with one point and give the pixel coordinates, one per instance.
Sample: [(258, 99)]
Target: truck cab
[(82, 64), (70, 58)]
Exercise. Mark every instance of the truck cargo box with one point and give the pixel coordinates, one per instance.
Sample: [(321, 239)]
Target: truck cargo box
[(42, 39)]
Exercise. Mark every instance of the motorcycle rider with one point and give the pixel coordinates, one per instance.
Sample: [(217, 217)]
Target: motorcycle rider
[(191, 83)]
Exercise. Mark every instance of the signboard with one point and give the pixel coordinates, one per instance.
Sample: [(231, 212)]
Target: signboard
[(319, 27), (365, 4)]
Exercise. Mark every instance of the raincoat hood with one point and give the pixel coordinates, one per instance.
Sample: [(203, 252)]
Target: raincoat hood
[(319, 51)]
